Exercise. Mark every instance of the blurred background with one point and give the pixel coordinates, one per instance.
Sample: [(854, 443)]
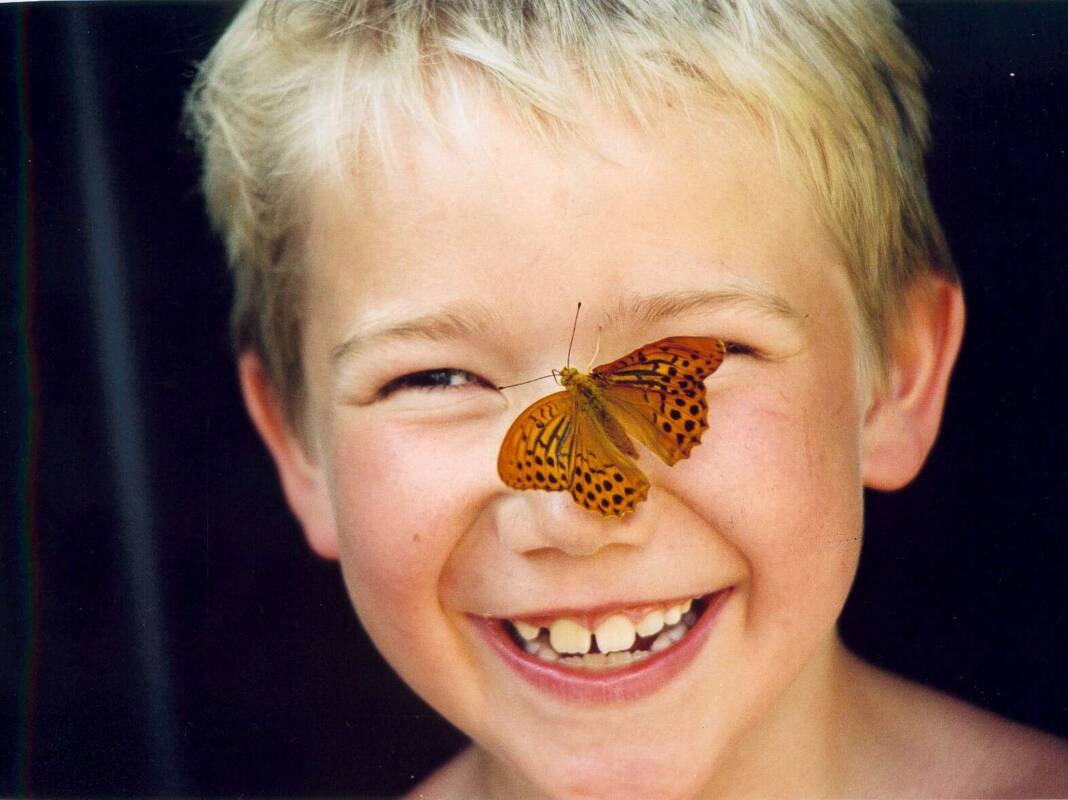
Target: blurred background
[(165, 629)]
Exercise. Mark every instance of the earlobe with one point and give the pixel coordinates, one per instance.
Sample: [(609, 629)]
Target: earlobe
[(904, 416), (303, 481)]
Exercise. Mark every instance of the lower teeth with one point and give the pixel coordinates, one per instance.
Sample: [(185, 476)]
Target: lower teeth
[(603, 660)]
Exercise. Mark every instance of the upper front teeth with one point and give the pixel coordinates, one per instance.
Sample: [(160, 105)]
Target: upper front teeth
[(567, 636), (614, 634)]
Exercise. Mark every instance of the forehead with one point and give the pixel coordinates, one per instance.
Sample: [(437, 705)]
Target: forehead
[(479, 208)]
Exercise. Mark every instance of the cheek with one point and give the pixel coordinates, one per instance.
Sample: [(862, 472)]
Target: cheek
[(398, 521), (402, 497), (783, 487), (790, 459)]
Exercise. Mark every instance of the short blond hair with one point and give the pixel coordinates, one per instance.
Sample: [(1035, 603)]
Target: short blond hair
[(294, 85)]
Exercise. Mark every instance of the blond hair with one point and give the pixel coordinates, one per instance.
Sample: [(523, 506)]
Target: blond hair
[(292, 86)]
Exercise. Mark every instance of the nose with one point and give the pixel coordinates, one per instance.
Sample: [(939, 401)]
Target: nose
[(529, 521)]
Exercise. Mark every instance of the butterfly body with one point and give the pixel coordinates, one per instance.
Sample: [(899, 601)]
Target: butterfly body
[(589, 391), (580, 439)]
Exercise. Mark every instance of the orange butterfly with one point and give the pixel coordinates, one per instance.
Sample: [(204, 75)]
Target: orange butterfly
[(577, 440)]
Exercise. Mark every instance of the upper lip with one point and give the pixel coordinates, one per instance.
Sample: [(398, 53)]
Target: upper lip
[(600, 608)]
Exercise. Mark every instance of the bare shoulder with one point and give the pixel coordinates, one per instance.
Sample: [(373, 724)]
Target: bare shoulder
[(928, 743), (456, 778)]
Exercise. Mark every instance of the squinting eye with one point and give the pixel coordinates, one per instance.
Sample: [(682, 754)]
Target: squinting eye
[(431, 379), (737, 348)]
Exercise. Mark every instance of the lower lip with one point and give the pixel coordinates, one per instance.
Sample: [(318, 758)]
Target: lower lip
[(604, 686)]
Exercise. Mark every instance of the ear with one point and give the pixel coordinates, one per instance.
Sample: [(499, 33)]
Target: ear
[(302, 479), (903, 419)]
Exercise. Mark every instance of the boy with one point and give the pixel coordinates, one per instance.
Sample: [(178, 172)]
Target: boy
[(415, 195)]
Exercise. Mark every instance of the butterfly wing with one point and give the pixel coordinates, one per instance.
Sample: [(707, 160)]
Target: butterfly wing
[(536, 452), (603, 478), (658, 393), (555, 446)]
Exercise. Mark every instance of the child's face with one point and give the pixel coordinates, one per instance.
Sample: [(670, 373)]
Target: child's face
[(470, 256)]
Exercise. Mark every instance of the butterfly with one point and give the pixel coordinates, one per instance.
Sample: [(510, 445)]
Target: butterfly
[(581, 440)]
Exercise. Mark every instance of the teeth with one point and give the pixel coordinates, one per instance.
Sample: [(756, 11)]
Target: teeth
[(673, 615), (602, 661), (570, 642), (547, 654), (676, 632), (661, 642), (528, 632), (590, 660), (615, 634), (651, 624), (669, 637), (567, 636)]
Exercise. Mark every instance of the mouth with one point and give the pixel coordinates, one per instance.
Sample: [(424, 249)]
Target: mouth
[(608, 640), (607, 655)]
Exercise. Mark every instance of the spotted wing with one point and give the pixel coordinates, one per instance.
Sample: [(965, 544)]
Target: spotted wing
[(603, 478), (537, 450), (552, 445), (657, 392)]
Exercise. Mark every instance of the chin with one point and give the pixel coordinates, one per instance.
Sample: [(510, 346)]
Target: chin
[(621, 771)]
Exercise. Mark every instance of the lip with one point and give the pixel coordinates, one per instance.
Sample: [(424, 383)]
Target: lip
[(591, 616), (609, 686)]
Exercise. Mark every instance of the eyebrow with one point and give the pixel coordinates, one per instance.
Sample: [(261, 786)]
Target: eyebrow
[(650, 309), (457, 321), (474, 320)]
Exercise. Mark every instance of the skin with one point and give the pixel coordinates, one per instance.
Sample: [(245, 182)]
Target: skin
[(402, 488)]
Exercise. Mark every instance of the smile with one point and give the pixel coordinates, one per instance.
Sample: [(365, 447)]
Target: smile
[(605, 656), (612, 640)]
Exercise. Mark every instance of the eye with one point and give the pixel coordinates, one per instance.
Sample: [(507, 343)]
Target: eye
[(433, 379), (737, 348)]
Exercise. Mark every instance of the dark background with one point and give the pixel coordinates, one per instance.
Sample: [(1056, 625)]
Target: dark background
[(167, 631)]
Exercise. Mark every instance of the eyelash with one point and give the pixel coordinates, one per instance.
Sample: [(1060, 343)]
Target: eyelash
[(424, 380), (737, 348)]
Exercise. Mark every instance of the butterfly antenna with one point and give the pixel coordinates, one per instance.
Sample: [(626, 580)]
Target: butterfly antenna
[(596, 350), (524, 383), (574, 327)]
